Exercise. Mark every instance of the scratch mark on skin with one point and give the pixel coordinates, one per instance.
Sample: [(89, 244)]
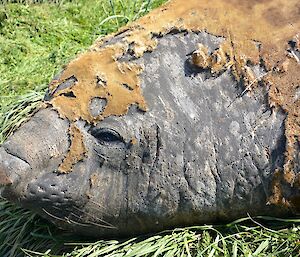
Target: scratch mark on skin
[(186, 169), (157, 155)]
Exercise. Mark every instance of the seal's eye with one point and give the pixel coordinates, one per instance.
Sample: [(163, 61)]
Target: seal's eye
[(105, 135)]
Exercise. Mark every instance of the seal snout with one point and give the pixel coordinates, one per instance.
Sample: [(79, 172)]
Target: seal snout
[(11, 167), (37, 147)]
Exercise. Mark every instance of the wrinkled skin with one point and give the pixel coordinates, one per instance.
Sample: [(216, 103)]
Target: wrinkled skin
[(203, 153)]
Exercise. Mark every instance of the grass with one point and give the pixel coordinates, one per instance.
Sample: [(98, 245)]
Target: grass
[(36, 40)]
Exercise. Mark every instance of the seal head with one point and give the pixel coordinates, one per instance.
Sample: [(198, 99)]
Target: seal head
[(163, 126)]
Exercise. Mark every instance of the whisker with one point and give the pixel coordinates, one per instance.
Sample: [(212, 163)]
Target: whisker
[(53, 216), (98, 208), (89, 223), (98, 205), (102, 226), (70, 221), (101, 155), (94, 217)]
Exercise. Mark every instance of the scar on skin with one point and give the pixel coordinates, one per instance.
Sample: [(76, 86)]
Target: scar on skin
[(76, 151), (256, 32)]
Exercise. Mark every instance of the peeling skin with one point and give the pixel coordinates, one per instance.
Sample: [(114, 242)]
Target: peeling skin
[(87, 69), (93, 180), (218, 61), (256, 32), (76, 152), (133, 141), (202, 58), (277, 196), (283, 85)]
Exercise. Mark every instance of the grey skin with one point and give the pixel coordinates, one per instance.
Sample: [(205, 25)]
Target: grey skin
[(206, 152)]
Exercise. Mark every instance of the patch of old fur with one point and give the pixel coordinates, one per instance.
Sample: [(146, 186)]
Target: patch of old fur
[(76, 152), (99, 74)]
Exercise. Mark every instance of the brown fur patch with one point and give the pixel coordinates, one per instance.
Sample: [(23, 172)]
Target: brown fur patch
[(88, 70), (76, 152)]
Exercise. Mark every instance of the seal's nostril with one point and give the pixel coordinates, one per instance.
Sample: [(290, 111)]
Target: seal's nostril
[(4, 179), (11, 166)]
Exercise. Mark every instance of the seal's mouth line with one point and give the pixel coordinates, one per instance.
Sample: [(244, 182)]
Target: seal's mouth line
[(15, 155)]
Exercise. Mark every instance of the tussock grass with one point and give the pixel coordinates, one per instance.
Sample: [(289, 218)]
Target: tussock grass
[(36, 39), (33, 1), (16, 110), (245, 237)]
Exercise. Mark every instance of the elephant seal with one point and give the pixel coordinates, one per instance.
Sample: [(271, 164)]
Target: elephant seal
[(189, 115)]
